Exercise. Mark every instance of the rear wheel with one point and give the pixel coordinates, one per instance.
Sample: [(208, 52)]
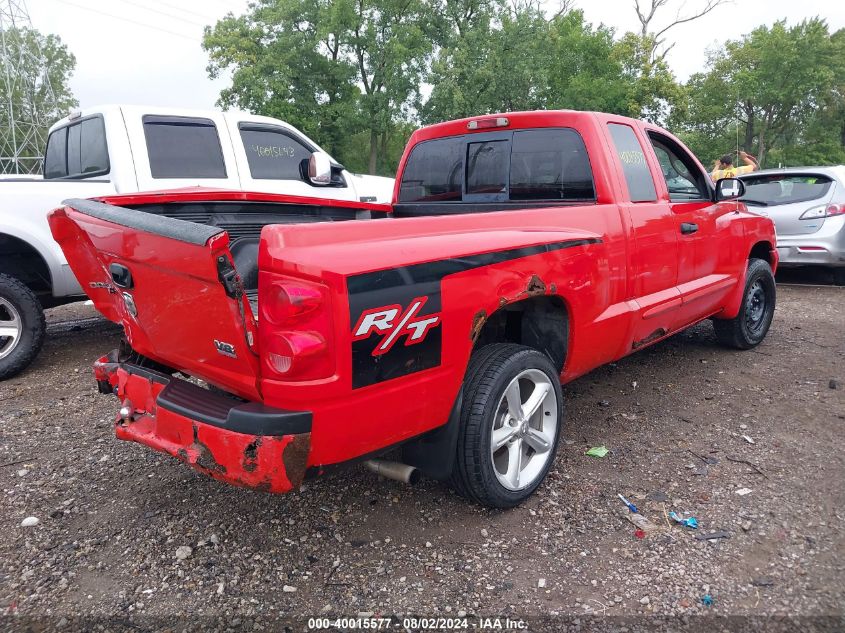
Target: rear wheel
[(21, 326), (510, 425), (750, 326)]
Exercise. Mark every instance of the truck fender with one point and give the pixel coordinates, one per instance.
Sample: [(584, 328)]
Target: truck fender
[(545, 315), (48, 253), (761, 250)]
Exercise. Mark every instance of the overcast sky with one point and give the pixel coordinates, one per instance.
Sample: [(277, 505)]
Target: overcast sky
[(148, 51)]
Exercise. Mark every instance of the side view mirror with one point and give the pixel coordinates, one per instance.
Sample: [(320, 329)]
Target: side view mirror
[(729, 189), (320, 169)]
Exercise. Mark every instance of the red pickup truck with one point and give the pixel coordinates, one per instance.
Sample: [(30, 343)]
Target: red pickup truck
[(269, 338)]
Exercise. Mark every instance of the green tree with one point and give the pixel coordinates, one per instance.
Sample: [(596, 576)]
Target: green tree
[(651, 91), (392, 49), (36, 94), (822, 139), (288, 61), (766, 92), (493, 58), (333, 68), (516, 58), (585, 69)]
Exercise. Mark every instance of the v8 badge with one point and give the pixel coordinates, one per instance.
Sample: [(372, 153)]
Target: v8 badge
[(226, 349)]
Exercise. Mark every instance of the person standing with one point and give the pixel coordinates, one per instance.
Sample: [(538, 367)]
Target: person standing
[(724, 168)]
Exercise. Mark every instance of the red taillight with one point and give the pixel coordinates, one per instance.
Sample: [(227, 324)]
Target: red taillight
[(295, 328), (287, 300), (486, 124), (835, 209)]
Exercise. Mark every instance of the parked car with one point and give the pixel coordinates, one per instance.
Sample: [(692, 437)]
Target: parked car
[(521, 251), (807, 205), (118, 149)]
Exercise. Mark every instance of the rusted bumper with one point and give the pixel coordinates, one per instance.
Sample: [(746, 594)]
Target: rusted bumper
[(241, 443)]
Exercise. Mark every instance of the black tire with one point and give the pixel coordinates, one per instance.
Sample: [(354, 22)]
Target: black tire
[(491, 369), (756, 311), (28, 310)]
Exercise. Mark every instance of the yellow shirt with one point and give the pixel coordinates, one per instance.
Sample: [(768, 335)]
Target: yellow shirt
[(731, 172)]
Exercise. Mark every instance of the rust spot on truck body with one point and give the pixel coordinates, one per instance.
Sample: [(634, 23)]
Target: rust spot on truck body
[(535, 286), (478, 322), (251, 455), (295, 458), (658, 333), (204, 456)]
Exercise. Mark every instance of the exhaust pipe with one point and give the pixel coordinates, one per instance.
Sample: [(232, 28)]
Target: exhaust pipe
[(393, 470)]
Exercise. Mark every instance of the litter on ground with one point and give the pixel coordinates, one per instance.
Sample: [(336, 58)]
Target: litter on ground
[(597, 451)]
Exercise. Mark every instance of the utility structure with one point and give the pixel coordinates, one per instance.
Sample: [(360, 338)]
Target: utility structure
[(23, 117)]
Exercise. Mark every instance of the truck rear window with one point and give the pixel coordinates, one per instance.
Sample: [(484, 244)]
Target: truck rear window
[(487, 167), (776, 189), (77, 150), (55, 158), (183, 147), (434, 171), (548, 164)]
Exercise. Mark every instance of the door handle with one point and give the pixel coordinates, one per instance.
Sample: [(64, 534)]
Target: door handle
[(688, 227), (121, 275)]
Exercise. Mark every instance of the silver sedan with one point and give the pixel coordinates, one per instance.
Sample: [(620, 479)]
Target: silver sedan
[(807, 205)]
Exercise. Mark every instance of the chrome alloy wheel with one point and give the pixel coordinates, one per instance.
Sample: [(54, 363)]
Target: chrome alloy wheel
[(524, 430), (11, 327)]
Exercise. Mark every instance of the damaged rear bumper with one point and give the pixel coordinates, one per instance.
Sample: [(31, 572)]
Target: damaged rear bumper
[(241, 443)]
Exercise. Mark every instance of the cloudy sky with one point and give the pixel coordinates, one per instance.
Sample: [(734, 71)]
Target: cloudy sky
[(148, 51)]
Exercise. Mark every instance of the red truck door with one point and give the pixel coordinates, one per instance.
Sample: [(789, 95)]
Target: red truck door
[(653, 255), (701, 285)]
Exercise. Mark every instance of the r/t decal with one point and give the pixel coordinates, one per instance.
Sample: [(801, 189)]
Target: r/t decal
[(391, 322)]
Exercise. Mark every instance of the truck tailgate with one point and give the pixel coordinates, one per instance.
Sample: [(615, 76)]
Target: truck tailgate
[(170, 283)]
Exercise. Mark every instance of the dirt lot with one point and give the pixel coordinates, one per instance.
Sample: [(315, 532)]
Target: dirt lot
[(112, 514)]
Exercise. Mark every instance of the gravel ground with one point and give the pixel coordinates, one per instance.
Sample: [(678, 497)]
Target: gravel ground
[(127, 533)]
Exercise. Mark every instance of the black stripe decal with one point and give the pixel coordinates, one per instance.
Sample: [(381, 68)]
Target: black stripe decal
[(399, 287)]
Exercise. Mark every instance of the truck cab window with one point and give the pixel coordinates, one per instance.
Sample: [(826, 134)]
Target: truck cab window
[(487, 168), (183, 147), (86, 148), (684, 179), (55, 158), (550, 165), (434, 172), (633, 162), (272, 153), (77, 150)]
